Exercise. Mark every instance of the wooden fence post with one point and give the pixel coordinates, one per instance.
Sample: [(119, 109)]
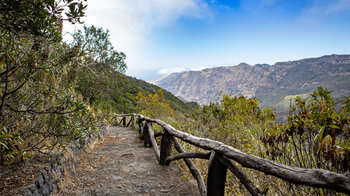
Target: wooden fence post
[(254, 191), (141, 134), (165, 147), (147, 140), (132, 120), (216, 176), (124, 121)]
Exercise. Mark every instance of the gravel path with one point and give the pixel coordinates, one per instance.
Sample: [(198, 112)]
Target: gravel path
[(119, 165)]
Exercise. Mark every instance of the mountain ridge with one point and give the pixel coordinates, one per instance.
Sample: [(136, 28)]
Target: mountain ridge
[(271, 84)]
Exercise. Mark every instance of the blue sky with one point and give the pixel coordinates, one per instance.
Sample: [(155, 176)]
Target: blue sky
[(164, 36)]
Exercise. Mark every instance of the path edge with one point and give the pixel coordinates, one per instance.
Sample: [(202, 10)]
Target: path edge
[(48, 179)]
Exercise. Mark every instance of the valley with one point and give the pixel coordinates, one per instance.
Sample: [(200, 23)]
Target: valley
[(272, 85)]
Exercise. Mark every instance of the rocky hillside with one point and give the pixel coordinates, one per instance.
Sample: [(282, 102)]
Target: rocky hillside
[(273, 85)]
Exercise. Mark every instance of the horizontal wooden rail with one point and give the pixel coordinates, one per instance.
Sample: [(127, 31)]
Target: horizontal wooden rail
[(319, 178), (159, 134), (200, 155)]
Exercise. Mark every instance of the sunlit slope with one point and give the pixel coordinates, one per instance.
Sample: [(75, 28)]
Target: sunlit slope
[(269, 83)]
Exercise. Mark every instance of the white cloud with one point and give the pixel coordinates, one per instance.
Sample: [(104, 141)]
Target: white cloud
[(321, 8), (171, 70), (198, 68), (339, 5), (132, 21)]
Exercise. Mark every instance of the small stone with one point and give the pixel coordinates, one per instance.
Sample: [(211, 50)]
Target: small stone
[(44, 174), (117, 178), (193, 183), (54, 188), (166, 187), (164, 190), (31, 187), (148, 158), (93, 192), (127, 155), (26, 192), (141, 188), (122, 189), (53, 180), (36, 193), (40, 181), (46, 189), (153, 193)]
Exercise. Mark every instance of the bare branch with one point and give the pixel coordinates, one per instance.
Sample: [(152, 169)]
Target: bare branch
[(56, 110)]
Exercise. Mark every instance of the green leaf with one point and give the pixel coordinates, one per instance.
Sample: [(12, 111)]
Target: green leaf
[(334, 126), (25, 154), (4, 145), (320, 133), (317, 138)]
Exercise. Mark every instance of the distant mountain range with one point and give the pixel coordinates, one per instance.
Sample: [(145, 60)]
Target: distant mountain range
[(274, 85)]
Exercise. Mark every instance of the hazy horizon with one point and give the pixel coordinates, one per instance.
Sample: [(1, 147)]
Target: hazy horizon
[(151, 75), (164, 36)]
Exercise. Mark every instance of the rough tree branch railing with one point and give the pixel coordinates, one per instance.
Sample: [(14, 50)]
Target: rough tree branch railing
[(220, 159)]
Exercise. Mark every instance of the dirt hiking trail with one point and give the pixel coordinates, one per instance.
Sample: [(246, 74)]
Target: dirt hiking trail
[(120, 165)]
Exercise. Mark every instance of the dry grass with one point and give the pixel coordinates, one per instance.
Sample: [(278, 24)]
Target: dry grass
[(17, 175), (86, 163)]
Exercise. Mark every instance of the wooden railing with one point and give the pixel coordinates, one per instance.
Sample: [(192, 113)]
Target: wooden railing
[(221, 158)]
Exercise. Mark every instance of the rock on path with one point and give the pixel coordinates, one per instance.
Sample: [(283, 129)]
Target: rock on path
[(120, 165)]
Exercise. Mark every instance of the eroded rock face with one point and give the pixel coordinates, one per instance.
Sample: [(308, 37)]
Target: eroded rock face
[(269, 83)]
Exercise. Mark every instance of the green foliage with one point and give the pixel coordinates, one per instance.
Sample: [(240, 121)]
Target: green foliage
[(99, 79), (178, 105), (154, 105), (237, 120), (317, 132), (39, 108), (41, 18), (315, 136), (98, 51)]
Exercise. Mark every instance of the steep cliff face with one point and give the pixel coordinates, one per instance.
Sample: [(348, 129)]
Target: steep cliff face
[(271, 84)]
